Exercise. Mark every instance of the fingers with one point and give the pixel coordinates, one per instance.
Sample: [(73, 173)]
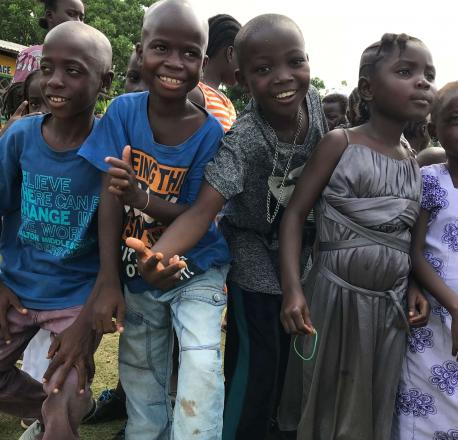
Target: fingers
[(412, 299), (14, 301), (81, 372), (120, 313), (126, 153), (53, 366), (54, 347), (60, 376), (21, 110), (143, 253)]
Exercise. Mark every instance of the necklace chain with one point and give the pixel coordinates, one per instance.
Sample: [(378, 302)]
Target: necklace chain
[(271, 218)]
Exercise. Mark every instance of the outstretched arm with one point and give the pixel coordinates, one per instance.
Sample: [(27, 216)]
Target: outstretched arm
[(316, 174)]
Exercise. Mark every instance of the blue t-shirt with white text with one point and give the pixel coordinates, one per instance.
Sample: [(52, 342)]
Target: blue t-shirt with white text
[(49, 202), (174, 173)]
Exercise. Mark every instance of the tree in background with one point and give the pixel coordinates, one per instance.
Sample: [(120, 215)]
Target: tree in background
[(119, 20), (318, 83)]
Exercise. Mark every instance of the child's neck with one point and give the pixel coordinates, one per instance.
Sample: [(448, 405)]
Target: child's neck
[(387, 130), (285, 127), (212, 77), (69, 133), (166, 108)]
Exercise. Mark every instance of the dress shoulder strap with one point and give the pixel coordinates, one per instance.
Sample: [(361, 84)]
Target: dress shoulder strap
[(346, 135)]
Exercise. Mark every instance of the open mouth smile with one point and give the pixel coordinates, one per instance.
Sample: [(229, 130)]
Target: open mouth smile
[(285, 95)]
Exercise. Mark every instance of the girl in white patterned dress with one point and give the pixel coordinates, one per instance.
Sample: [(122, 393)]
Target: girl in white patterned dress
[(427, 400)]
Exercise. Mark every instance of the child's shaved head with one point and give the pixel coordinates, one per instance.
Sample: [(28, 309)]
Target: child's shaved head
[(262, 23), (178, 11), (93, 43)]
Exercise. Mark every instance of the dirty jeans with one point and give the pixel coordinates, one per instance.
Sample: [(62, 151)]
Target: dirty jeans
[(23, 396), (145, 360)]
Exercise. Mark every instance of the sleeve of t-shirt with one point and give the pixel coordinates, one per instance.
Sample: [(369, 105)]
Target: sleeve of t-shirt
[(432, 194), (10, 170), (206, 152), (108, 138), (226, 172)]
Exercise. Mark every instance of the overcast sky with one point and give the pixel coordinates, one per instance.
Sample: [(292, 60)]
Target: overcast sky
[(336, 32)]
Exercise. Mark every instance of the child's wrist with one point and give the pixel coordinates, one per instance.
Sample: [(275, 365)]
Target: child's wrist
[(142, 200)]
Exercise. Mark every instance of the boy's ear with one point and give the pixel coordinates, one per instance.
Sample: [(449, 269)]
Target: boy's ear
[(49, 15), (139, 52), (241, 79), (205, 62), (364, 89), (229, 54), (107, 79)]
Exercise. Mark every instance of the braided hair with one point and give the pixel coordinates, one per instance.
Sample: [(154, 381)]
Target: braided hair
[(371, 56), (48, 4), (222, 29), (379, 50), (357, 110)]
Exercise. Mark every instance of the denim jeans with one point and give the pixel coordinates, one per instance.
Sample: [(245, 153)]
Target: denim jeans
[(145, 357)]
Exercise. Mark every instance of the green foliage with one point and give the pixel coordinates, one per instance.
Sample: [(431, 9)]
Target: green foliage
[(119, 20), (318, 83), (238, 97)]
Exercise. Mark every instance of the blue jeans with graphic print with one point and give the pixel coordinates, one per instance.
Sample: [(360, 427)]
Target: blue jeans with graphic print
[(145, 360)]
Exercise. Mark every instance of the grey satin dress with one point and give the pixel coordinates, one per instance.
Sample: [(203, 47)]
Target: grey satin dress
[(356, 294)]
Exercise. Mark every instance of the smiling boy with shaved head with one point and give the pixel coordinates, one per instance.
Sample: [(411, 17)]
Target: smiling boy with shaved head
[(146, 186), (49, 243)]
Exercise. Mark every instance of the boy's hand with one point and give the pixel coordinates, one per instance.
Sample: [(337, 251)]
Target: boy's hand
[(151, 267), (295, 315), (72, 348), (8, 299), (123, 183), (108, 303), (419, 307)]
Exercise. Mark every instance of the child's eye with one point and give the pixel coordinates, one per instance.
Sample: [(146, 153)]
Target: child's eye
[(298, 61), (431, 77), (191, 54), (263, 69), (45, 69), (73, 71), (403, 72), (159, 48)]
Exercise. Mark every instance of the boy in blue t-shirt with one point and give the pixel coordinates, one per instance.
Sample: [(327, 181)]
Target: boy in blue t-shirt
[(147, 185), (49, 247)]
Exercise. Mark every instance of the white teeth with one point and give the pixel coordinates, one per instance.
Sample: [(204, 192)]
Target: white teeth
[(170, 80), (57, 99), (285, 94)]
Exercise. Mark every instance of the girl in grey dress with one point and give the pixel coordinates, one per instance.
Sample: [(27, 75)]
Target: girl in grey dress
[(366, 188)]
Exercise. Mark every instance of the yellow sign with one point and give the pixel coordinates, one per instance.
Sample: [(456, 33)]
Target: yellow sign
[(7, 65)]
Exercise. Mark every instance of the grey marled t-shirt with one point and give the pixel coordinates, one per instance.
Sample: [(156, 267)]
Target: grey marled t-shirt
[(239, 172)]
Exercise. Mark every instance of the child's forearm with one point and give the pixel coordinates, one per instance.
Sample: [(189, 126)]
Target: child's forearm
[(110, 227), (186, 231), (434, 284), (160, 209), (290, 249)]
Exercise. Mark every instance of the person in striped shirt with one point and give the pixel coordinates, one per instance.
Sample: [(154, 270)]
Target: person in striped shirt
[(220, 69)]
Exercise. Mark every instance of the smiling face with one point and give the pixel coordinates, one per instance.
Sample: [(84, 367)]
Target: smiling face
[(66, 10), (172, 51), (274, 68), (403, 84), (72, 73)]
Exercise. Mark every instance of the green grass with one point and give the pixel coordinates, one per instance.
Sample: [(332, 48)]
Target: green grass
[(106, 377)]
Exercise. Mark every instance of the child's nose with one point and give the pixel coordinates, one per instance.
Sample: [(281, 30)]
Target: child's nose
[(56, 79), (283, 75), (174, 61)]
